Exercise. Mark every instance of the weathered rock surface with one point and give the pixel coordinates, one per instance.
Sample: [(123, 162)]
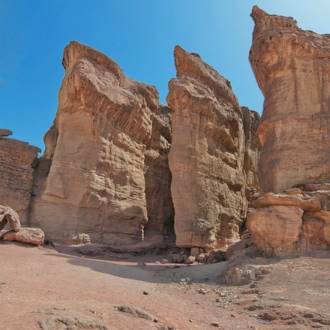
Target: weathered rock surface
[(26, 235), (16, 175), (275, 229), (292, 68), (207, 155), (294, 221), (307, 203), (251, 120), (10, 217), (105, 169), (239, 275), (5, 132)]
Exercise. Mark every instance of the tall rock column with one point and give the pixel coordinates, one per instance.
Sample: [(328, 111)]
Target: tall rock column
[(109, 141), (292, 68), (207, 155)]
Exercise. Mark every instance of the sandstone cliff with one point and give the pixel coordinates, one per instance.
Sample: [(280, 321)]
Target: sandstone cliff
[(292, 68), (16, 175), (105, 169), (207, 155)]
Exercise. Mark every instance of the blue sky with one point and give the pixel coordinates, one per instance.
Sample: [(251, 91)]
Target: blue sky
[(139, 34)]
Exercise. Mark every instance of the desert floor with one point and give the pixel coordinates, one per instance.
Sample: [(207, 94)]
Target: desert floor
[(45, 288)]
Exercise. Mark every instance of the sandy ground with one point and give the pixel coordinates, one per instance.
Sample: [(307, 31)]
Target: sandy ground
[(42, 288)]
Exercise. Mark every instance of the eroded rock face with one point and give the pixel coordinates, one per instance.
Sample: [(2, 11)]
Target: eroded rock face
[(292, 68), (294, 221), (251, 121), (207, 155), (105, 169), (9, 217), (16, 175)]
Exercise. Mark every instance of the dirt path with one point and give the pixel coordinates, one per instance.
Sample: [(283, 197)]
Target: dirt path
[(42, 288)]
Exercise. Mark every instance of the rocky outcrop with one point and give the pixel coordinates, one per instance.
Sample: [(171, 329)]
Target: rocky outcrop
[(105, 169), (292, 68), (294, 221), (32, 236), (207, 158), (16, 175), (5, 132), (9, 217)]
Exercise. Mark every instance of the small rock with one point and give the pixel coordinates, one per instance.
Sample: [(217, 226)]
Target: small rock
[(135, 312), (240, 275), (81, 238), (202, 291), (252, 291), (266, 316), (190, 260), (201, 258), (69, 322), (215, 324), (145, 293)]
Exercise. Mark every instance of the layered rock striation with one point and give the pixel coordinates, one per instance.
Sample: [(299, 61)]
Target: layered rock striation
[(292, 67), (294, 221), (106, 174), (208, 153), (105, 169), (17, 160)]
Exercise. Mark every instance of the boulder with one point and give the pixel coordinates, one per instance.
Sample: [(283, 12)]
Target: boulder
[(292, 69), (10, 217), (240, 275), (292, 221), (316, 230), (105, 169), (276, 230), (33, 236), (207, 155)]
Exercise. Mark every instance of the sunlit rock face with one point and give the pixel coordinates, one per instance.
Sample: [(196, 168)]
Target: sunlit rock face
[(17, 159), (207, 155), (294, 221), (292, 68), (105, 169)]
